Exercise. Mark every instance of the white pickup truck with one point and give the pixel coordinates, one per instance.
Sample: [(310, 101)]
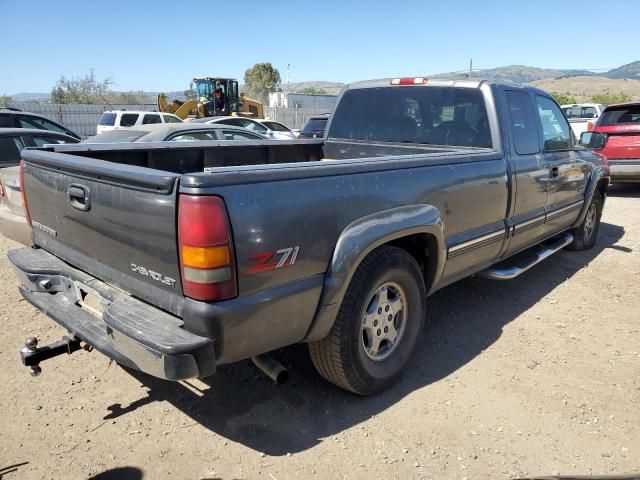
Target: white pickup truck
[(582, 116)]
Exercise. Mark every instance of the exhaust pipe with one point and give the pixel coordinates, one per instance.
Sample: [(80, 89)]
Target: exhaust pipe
[(271, 368)]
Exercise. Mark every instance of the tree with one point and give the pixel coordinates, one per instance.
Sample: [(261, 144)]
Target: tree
[(85, 89), (313, 91), (189, 94), (260, 80), (129, 98), (610, 98), (563, 99), (5, 100)]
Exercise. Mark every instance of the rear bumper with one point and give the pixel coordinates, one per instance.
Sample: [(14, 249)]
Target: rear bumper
[(14, 226), (127, 330), (625, 170)]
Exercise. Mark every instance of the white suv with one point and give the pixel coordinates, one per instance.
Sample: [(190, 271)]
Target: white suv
[(112, 119)]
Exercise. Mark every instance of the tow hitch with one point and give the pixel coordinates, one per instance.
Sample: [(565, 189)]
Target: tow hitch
[(32, 355)]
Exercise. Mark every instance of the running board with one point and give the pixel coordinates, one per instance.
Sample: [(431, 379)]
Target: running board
[(525, 264)]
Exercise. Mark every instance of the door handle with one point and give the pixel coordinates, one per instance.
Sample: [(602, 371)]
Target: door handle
[(79, 197), (554, 172)]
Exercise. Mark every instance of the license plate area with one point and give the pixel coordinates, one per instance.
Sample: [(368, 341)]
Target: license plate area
[(88, 299)]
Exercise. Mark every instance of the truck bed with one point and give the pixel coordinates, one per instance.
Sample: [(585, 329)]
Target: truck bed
[(199, 156)]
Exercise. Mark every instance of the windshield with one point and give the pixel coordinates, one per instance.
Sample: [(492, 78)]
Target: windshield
[(116, 136), (315, 125), (580, 112), (423, 115), (204, 89), (107, 119), (623, 115)]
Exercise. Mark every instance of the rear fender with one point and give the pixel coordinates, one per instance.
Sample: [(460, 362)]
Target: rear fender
[(360, 238)]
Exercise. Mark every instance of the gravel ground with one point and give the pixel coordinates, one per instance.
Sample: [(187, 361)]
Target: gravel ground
[(535, 376)]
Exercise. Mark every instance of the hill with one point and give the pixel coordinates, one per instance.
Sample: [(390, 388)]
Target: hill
[(583, 88), (516, 74), (332, 88), (630, 70)]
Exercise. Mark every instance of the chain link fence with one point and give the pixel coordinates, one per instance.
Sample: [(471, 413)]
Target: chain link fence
[(83, 119)]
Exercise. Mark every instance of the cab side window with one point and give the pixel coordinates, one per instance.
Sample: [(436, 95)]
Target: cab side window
[(523, 123), (555, 128)]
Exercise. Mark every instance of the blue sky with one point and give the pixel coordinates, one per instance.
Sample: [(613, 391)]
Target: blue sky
[(161, 45)]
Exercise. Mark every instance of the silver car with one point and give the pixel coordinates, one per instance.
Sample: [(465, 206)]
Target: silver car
[(13, 222), (269, 128), (175, 132)]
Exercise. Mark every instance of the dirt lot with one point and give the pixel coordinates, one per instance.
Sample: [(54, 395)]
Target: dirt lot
[(535, 376)]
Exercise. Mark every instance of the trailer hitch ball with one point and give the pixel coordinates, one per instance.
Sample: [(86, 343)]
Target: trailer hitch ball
[(30, 346)]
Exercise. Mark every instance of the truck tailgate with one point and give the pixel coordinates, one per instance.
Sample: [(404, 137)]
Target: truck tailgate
[(116, 222)]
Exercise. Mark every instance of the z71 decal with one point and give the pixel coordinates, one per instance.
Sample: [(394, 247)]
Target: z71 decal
[(267, 261)]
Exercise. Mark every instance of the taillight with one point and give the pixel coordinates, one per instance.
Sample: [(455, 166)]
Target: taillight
[(23, 195), (206, 250), (1, 190), (589, 126)]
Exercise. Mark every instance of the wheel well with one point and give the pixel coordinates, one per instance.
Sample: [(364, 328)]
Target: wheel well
[(424, 248), (603, 187)]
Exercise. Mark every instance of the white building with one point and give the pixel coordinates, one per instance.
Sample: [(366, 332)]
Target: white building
[(321, 103)]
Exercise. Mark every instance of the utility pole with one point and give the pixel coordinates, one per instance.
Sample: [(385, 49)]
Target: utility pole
[(470, 67), (288, 78)]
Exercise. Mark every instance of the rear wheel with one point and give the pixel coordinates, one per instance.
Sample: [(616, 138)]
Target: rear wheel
[(585, 234), (378, 325)]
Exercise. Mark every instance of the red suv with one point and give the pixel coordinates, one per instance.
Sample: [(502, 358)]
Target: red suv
[(620, 140)]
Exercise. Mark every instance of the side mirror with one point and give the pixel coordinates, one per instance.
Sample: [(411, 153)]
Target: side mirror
[(593, 140)]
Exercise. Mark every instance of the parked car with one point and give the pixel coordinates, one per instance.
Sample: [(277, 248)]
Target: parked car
[(15, 118), (176, 267), (616, 135), (112, 119), (184, 132), (269, 128), (314, 128), (582, 116), (13, 223)]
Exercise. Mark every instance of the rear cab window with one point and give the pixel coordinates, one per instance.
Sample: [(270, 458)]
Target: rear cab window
[(108, 119), (427, 115), (315, 125), (621, 115), (128, 119), (10, 148)]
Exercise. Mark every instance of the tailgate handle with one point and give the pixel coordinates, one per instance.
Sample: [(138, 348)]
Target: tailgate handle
[(79, 197)]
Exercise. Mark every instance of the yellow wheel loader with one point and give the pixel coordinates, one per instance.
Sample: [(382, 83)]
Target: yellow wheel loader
[(206, 104)]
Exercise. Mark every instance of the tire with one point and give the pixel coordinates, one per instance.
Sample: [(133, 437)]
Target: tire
[(359, 354), (585, 234)]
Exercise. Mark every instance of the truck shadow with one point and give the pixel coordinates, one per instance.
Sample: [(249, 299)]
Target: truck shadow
[(242, 405)]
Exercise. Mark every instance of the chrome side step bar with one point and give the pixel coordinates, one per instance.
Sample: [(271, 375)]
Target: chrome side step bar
[(512, 272)]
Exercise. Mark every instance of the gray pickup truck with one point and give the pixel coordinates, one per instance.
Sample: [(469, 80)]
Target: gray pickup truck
[(174, 259)]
